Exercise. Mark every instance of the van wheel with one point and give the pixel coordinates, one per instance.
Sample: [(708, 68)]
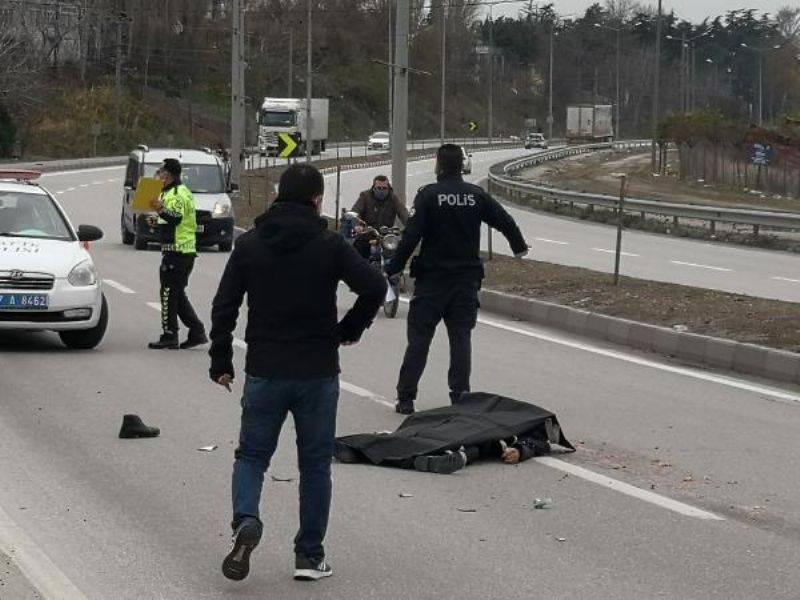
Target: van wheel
[(127, 236), (139, 243), (86, 339)]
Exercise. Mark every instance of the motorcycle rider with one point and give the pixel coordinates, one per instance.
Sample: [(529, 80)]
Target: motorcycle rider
[(378, 207)]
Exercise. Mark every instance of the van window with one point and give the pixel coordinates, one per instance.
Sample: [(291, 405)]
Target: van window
[(131, 173), (201, 179)]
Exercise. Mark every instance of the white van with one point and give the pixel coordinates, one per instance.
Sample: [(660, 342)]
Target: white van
[(204, 173)]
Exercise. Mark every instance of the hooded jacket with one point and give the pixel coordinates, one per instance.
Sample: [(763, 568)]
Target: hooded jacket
[(290, 266)]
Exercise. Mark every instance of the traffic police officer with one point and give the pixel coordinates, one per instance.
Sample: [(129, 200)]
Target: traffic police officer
[(448, 271), (178, 225)]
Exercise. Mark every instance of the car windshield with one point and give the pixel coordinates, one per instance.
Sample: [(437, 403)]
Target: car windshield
[(27, 215), (276, 118), (380, 135), (201, 179)]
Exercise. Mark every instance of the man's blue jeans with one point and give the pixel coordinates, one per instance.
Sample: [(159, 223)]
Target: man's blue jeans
[(265, 404)]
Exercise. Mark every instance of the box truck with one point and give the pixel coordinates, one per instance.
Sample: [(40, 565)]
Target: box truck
[(289, 115), (588, 123)]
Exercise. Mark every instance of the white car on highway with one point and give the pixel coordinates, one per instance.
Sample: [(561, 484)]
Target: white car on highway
[(466, 168), (380, 140), (48, 281)]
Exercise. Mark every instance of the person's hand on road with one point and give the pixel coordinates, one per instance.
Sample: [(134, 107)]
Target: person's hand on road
[(225, 381), (510, 456)]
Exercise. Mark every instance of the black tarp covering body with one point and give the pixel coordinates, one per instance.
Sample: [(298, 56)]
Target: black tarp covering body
[(478, 418)]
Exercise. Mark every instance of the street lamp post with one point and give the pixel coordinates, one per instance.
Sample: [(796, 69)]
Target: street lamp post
[(550, 99), (618, 31), (760, 52)]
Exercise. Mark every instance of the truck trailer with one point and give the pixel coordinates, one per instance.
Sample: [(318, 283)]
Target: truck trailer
[(587, 123)]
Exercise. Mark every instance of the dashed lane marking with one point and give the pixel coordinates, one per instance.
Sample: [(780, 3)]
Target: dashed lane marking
[(118, 286), (699, 266)]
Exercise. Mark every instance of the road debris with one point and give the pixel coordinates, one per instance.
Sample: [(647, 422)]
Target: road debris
[(404, 495), (207, 448), (561, 539), (281, 479), (468, 510), (543, 503)]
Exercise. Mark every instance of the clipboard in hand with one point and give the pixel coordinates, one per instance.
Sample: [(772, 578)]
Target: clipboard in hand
[(147, 190)]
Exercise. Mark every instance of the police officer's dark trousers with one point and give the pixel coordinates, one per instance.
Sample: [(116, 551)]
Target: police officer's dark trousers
[(174, 276), (454, 302)]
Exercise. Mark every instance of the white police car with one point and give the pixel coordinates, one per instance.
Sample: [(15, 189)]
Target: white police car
[(48, 281)]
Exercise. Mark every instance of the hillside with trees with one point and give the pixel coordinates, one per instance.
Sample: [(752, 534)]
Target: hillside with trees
[(85, 76)]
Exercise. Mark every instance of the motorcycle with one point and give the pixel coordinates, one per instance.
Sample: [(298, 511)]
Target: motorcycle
[(383, 244)]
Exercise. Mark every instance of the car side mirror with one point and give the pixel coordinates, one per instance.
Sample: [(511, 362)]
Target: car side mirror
[(233, 187), (89, 233)]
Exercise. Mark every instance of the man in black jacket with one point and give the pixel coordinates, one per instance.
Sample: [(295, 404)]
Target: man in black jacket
[(289, 266), (446, 218)]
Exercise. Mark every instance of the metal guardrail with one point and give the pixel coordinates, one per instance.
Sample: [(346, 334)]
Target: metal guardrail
[(503, 178)]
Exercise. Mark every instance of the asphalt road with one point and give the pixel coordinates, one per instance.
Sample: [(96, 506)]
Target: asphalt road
[(684, 486)]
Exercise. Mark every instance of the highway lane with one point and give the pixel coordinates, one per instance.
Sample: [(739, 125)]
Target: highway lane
[(148, 519)]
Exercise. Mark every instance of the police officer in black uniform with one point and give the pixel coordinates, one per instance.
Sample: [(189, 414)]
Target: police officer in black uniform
[(448, 271)]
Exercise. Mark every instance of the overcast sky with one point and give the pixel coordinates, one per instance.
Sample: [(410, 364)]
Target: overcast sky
[(692, 10)]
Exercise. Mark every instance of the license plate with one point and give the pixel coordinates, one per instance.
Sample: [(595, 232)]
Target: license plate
[(23, 301), (201, 228)]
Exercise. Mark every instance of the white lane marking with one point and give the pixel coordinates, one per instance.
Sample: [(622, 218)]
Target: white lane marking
[(698, 266), (614, 252), (111, 180), (685, 371), (72, 189), (359, 391), (786, 279), (740, 384), (546, 241), (84, 185), (35, 565), (118, 286), (154, 306), (60, 192), (628, 489)]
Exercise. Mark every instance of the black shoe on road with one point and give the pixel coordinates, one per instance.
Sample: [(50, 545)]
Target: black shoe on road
[(165, 342), (443, 464), (306, 569), (405, 407), (193, 341), (236, 565), (134, 428)]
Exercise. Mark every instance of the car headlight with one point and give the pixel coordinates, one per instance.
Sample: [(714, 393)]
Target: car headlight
[(221, 210), (83, 274)]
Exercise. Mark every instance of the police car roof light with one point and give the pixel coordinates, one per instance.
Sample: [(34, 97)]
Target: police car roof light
[(19, 174)]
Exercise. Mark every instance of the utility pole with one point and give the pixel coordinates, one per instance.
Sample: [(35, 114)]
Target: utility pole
[(490, 127), (684, 78), (550, 94), (291, 62), (444, 72), (656, 91), (309, 116), (619, 100), (118, 71), (391, 68), (400, 126), (237, 91), (760, 89)]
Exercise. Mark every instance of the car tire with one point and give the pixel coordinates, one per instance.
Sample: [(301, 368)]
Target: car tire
[(140, 243), (127, 236), (86, 339), (225, 246)]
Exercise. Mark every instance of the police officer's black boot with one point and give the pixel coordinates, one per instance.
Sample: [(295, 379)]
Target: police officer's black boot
[(133, 427), (167, 341), (195, 339), (404, 407)]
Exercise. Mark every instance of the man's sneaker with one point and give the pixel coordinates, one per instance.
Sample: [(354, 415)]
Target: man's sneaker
[(236, 565), (194, 340), (444, 464), (306, 569), (404, 407), (165, 342)]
